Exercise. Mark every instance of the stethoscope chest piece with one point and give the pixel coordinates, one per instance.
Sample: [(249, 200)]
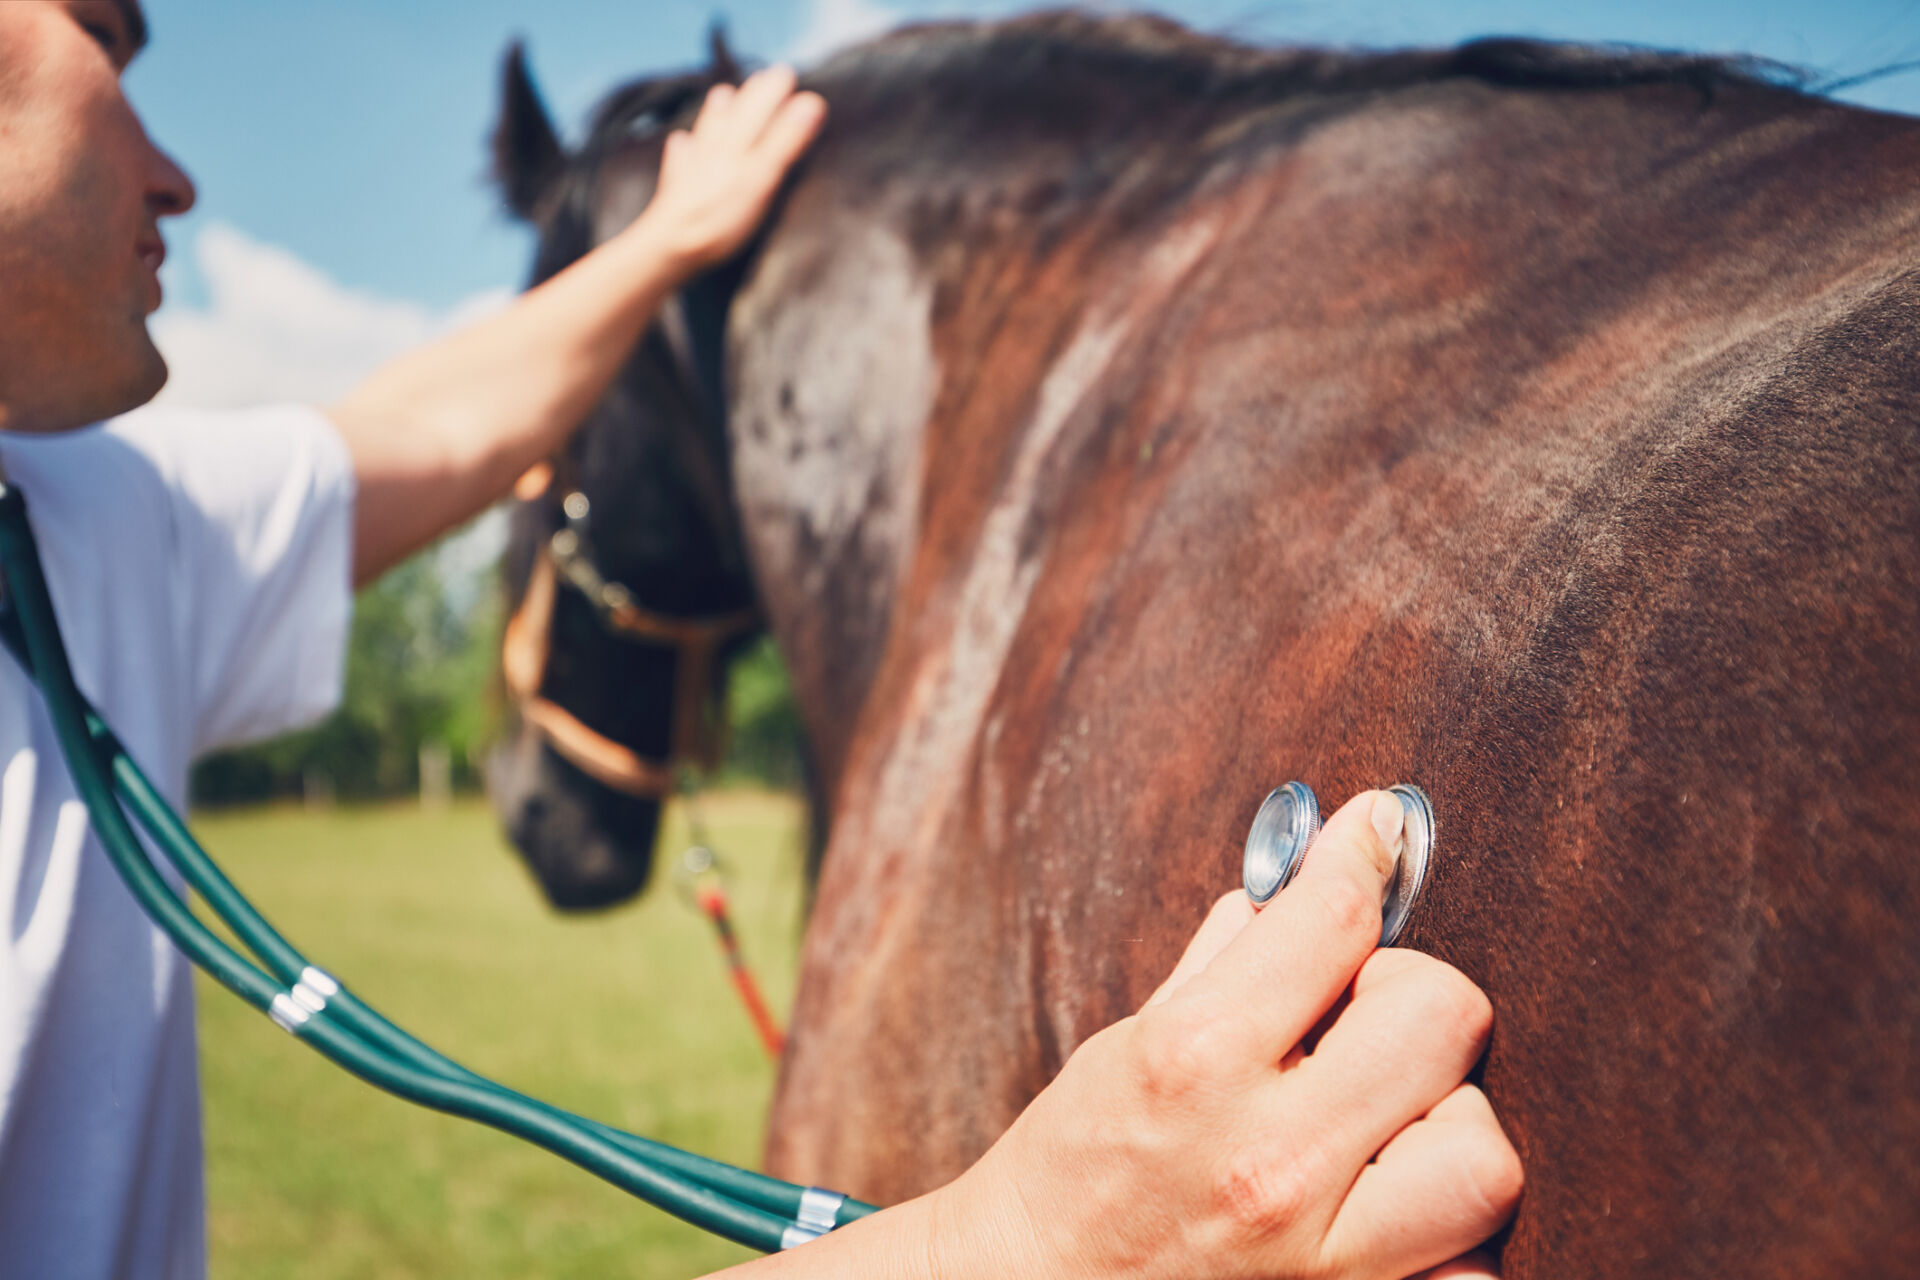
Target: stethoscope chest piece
[(1410, 874), (1277, 844), (1289, 820)]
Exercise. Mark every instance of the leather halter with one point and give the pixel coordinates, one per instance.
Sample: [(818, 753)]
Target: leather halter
[(566, 559)]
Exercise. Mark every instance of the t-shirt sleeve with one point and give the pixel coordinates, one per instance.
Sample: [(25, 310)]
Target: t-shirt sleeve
[(262, 523)]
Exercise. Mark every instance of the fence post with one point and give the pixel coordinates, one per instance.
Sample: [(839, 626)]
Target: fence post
[(316, 788), (436, 776)]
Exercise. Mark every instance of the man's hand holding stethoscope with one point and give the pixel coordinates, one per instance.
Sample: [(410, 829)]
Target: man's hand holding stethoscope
[(1290, 1103), (1213, 1135)]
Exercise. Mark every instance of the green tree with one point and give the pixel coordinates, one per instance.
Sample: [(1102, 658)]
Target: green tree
[(418, 672), (763, 725)]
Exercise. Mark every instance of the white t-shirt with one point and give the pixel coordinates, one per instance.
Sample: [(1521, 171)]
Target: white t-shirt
[(199, 566)]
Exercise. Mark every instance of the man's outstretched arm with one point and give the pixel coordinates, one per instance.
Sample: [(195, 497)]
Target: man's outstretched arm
[(439, 433)]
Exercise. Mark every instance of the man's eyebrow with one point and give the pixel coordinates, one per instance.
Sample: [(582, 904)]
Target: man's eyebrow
[(136, 21)]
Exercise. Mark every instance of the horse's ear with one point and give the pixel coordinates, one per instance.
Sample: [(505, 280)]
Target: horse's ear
[(721, 64), (527, 156)]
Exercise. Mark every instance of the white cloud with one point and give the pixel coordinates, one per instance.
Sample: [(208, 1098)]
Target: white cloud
[(276, 328), (834, 24)]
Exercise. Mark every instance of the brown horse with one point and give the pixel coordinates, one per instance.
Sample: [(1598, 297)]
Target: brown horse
[(1120, 422)]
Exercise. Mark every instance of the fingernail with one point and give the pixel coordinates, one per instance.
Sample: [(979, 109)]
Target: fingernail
[(1389, 822)]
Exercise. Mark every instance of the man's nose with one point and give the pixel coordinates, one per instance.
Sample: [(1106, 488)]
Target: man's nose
[(169, 190)]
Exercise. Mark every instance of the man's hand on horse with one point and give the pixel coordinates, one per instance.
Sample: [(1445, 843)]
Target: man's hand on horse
[(718, 178), (1289, 1103), (443, 431)]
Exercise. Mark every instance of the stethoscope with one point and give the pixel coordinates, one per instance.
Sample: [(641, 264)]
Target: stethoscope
[(1286, 826), (308, 1003), (304, 1000)]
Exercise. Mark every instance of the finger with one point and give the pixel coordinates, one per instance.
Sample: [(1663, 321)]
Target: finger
[(672, 153), (1442, 1186), (1465, 1105), (793, 128), (1288, 966), (1415, 1027), (1475, 1266), (1224, 922), (753, 107), (713, 110)]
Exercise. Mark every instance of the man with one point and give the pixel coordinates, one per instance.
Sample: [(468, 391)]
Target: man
[(200, 565)]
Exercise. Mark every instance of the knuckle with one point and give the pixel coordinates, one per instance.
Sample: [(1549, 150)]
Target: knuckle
[(1178, 1053), (1348, 905), (1460, 1001), (1491, 1170), (1436, 991), (1259, 1195), (1389, 965)]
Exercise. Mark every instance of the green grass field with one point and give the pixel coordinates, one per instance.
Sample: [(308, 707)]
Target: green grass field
[(627, 1017)]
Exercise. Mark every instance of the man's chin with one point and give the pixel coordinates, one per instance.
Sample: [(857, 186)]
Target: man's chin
[(138, 382), (144, 379), (56, 386), (156, 373)]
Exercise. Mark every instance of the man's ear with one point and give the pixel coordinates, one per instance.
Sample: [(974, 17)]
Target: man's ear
[(527, 156)]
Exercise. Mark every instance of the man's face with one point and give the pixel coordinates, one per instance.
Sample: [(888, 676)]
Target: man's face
[(82, 190)]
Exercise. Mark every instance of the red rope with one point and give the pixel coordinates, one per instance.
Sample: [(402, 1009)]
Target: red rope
[(713, 901)]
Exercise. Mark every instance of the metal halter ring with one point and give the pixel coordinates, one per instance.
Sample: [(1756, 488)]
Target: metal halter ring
[(697, 867), (1285, 828)]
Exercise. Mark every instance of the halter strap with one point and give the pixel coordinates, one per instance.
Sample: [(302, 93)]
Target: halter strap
[(527, 643)]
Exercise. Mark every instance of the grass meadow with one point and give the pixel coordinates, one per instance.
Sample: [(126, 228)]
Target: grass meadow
[(625, 1016)]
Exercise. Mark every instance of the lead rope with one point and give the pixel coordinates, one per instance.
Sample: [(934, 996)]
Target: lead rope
[(701, 879), (313, 1006), (702, 882)]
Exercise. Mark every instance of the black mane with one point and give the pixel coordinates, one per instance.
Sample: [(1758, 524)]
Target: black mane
[(1133, 62), (1153, 57)]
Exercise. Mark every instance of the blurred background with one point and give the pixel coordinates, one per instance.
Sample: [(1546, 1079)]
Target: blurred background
[(345, 215)]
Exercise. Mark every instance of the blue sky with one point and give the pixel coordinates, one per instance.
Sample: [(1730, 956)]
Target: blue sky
[(351, 132), (339, 147)]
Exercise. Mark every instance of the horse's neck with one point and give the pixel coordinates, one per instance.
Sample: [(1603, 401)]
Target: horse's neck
[(833, 382)]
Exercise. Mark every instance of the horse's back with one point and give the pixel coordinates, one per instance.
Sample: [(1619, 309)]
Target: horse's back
[(1559, 452)]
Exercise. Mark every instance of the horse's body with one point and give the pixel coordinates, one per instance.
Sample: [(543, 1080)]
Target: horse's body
[(1122, 424)]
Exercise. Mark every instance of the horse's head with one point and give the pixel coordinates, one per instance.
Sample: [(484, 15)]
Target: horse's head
[(625, 563)]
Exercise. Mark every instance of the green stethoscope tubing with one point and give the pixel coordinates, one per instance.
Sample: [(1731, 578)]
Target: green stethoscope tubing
[(752, 1209)]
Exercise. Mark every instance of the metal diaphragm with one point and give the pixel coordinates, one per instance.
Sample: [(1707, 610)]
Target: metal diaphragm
[(1277, 844), (1289, 820), (1410, 874)]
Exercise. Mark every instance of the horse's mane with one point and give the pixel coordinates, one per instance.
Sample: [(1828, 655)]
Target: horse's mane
[(1152, 55), (1148, 57)]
